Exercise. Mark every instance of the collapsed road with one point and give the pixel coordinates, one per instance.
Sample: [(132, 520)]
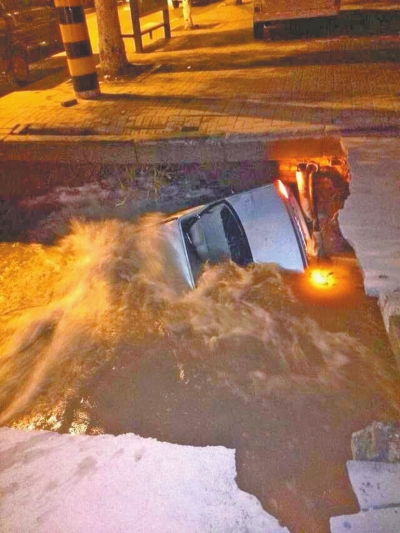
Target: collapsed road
[(96, 338)]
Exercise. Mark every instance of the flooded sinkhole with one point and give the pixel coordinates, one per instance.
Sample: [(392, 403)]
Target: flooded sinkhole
[(98, 336)]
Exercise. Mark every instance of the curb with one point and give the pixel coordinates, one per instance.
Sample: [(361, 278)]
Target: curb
[(192, 148), (175, 148)]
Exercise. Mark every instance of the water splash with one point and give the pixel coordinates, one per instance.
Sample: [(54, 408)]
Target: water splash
[(115, 291)]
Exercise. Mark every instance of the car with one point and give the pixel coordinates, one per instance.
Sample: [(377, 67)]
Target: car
[(29, 31), (261, 225)]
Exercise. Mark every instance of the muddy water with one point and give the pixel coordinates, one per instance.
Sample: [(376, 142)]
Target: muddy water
[(98, 335)]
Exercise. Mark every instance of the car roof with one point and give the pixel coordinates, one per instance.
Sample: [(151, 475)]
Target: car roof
[(269, 227)]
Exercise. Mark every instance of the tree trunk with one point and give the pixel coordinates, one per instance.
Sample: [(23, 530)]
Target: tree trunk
[(113, 59), (238, 2), (187, 14)]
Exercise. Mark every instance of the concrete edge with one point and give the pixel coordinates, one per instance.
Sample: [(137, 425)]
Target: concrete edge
[(389, 303), (193, 148), (174, 147), (388, 130), (80, 149)]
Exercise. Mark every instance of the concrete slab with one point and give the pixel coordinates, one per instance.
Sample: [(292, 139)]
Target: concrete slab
[(375, 484), (106, 484), (370, 220), (374, 521)]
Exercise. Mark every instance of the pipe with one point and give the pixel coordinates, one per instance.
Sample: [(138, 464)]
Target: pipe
[(305, 175), (311, 170), (302, 179)]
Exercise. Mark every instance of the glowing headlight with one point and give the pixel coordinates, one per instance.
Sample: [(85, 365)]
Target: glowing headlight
[(282, 189), (323, 279)]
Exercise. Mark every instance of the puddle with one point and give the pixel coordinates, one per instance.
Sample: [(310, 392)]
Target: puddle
[(97, 336)]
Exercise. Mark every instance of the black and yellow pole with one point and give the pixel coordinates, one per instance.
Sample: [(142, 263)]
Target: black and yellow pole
[(75, 36)]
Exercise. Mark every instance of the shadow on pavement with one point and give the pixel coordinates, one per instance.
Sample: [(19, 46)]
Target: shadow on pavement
[(355, 23), (348, 23), (388, 52), (382, 25), (45, 74)]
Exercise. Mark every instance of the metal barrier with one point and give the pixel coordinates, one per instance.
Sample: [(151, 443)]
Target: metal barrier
[(75, 36)]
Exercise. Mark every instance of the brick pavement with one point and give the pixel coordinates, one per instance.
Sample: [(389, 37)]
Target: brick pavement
[(218, 82)]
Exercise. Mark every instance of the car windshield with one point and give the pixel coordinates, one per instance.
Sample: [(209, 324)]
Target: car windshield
[(215, 235)]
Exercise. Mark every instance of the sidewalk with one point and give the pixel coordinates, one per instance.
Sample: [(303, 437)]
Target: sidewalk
[(217, 84)]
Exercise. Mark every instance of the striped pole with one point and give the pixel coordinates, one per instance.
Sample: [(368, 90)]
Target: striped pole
[(75, 36)]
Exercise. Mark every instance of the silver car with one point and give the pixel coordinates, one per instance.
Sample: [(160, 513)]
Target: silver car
[(262, 225)]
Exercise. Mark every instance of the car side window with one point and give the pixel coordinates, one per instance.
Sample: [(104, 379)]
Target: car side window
[(237, 240), (214, 235)]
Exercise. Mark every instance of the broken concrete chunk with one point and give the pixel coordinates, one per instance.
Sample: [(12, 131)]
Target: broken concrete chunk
[(380, 441), (375, 484), (376, 521), (69, 103)]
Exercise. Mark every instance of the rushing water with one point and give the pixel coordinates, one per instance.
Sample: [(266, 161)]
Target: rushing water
[(98, 335)]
